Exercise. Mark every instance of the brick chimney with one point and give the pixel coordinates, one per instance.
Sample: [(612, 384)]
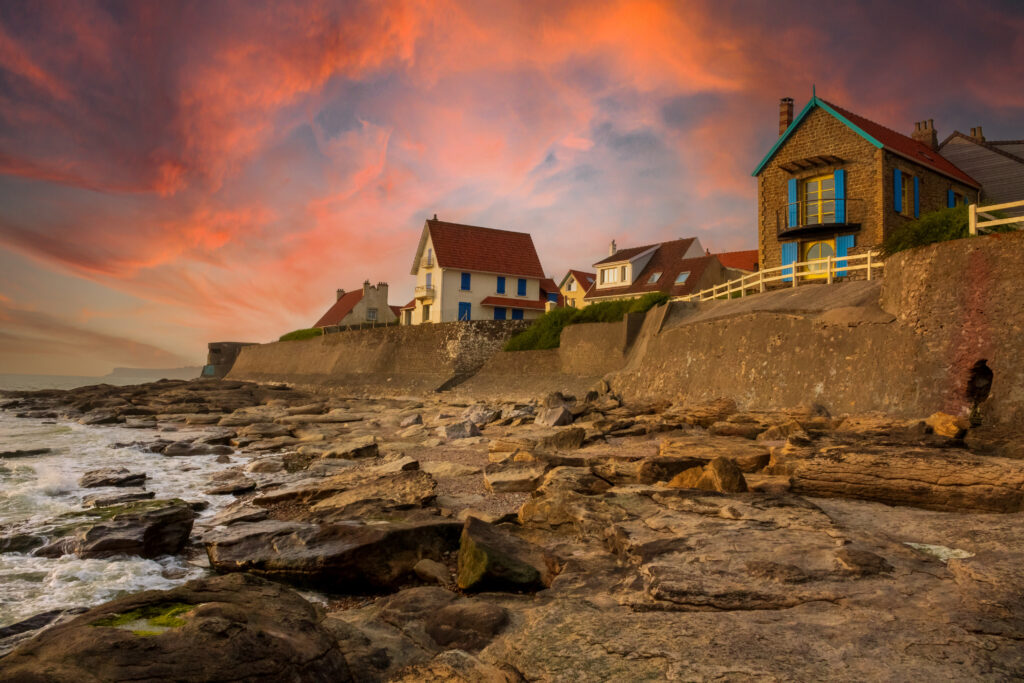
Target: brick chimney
[(366, 287), (785, 114), (341, 293), (977, 134), (612, 248), (924, 132)]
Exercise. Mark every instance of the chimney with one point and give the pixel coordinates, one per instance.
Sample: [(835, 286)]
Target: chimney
[(785, 114), (435, 217), (977, 134), (366, 287), (612, 248), (341, 293), (924, 132)]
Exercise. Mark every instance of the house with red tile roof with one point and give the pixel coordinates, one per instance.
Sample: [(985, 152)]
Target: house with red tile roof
[(677, 268), (743, 261), (574, 287), (368, 305), (836, 183), (467, 272)]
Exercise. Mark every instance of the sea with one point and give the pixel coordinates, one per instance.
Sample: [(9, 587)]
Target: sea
[(36, 489)]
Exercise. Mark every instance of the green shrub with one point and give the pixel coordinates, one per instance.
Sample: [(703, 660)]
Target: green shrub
[(546, 331), (938, 226), (302, 334)]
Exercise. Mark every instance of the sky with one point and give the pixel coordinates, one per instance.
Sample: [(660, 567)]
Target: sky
[(175, 173)]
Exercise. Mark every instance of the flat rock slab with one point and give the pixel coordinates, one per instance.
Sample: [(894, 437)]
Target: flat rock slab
[(936, 479), (227, 628), (106, 499), (111, 476), (344, 557)]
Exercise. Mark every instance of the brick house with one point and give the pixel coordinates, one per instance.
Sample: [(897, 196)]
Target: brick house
[(574, 287), (677, 268), (997, 164), (360, 306), (836, 183), (466, 272)]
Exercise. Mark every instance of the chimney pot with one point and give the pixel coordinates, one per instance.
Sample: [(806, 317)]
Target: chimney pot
[(435, 216), (612, 248), (785, 114), (976, 132), (924, 132), (341, 293)]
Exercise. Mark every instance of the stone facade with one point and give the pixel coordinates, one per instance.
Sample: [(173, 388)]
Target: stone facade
[(869, 189)]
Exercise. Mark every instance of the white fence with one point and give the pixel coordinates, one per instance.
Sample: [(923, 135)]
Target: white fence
[(824, 270), (973, 211)]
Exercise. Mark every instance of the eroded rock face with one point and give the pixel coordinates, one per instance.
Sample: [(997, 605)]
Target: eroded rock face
[(228, 628), (145, 528)]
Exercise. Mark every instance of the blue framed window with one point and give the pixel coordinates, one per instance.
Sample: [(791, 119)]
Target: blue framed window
[(500, 313), (430, 280), (501, 287), (517, 314), (465, 282), (465, 308), (553, 297), (521, 288)]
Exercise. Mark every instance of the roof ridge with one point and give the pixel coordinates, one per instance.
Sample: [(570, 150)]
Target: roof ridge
[(847, 112), (476, 227), (991, 146)]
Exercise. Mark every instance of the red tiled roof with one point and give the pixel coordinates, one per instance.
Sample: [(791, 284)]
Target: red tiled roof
[(583, 278), (667, 260), (908, 147), (484, 249), (411, 304), (625, 254), (397, 310), (340, 309), (534, 304), (742, 260)]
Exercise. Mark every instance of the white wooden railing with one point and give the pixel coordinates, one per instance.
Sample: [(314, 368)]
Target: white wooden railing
[(825, 270), (973, 211)]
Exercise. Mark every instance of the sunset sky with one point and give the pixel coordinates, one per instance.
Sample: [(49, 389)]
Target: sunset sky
[(173, 173)]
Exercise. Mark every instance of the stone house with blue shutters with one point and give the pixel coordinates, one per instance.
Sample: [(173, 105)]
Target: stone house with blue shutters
[(835, 183)]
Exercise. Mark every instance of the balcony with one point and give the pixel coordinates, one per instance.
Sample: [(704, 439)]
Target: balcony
[(819, 217), (427, 262), (424, 292)]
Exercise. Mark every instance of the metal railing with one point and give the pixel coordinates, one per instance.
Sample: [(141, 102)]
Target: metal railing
[(819, 214), (828, 269), (973, 211)]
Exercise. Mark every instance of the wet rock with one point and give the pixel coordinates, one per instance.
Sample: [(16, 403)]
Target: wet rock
[(458, 430), (225, 628), (146, 422), (107, 499), (100, 417), (344, 557), (26, 453), (513, 476), (143, 528), (187, 448), (15, 634), (554, 417), (111, 476), (492, 558)]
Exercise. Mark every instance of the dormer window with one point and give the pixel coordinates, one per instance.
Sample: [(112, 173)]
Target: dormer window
[(654, 278), (611, 275)]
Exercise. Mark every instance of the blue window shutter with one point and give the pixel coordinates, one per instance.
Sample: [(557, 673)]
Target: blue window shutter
[(788, 256), (499, 313), (521, 287), (517, 314), (464, 310), (553, 297), (840, 185), (465, 281), (897, 187), (501, 286), (950, 199), (917, 198), (844, 243), (794, 208)]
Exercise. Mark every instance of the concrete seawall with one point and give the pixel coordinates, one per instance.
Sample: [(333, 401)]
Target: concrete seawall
[(905, 345)]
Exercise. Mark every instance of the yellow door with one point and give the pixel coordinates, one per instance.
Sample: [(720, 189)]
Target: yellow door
[(815, 251)]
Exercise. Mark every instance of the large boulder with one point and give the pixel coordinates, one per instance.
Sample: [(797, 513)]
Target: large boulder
[(492, 558), (554, 417), (111, 476), (458, 430), (147, 528), (721, 475), (343, 557), (229, 628)]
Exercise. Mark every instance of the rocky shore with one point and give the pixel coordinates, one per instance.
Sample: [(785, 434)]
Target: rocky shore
[(567, 538)]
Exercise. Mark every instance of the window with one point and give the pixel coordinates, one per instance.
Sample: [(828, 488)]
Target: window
[(500, 313), (571, 302), (465, 308), (465, 282), (371, 314), (819, 196), (501, 287), (430, 280), (517, 314), (623, 273), (553, 297), (570, 286), (426, 313), (682, 277), (907, 190), (430, 258), (906, 197), (610, 276), (521, 287), (654, 278)]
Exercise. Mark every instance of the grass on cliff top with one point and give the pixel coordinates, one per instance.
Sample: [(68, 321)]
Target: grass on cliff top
[(545, 332), (302, 334), (937, 226)]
